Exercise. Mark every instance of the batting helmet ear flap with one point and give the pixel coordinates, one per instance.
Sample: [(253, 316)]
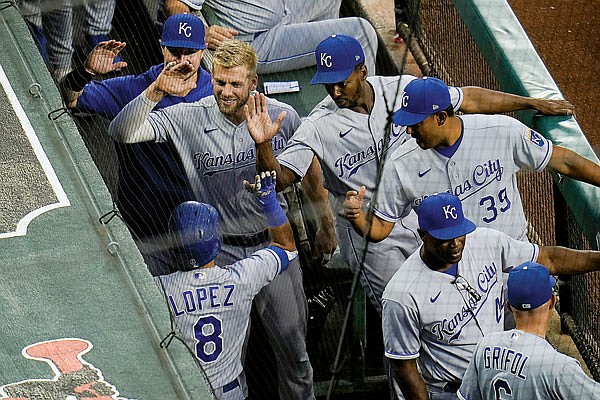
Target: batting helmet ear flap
[(196, 233)]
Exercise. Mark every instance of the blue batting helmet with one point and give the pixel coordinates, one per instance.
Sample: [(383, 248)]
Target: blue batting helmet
[(197, 233)]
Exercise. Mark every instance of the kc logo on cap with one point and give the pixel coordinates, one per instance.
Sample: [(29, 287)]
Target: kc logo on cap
[(326, 60), (422, 97), (183, 31), (450, 211), (336, 58), (441, 216)]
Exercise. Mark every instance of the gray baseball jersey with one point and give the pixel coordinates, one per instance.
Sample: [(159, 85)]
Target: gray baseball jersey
[(212, 306), (286, 33), (217, 156), (349, 146), (518, 365), (439, 318), (482, 173)]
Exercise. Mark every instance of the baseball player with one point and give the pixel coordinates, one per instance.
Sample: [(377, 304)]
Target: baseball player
[(211, 304), (475, 157), (151, 179), (212, 138), (519, 364), (283, 33), (350, 134), (449, 294)]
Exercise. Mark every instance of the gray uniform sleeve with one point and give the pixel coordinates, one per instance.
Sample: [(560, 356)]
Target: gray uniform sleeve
[(133, 124), (392, 203), (258, 270), (515, 252), (572, 383), (531, 150), (300, 150), (401, 330), (469, 389)]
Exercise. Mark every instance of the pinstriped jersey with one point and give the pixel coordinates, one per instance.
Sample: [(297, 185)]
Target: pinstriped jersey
[(518, 365), (211, 308), (435, 317), (218, 155), (482, 173), (348, 144)]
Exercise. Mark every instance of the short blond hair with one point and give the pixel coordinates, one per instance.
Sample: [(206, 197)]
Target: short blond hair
[(235, 53)]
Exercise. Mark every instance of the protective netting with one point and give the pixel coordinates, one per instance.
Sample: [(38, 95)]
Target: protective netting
[(443, 33), (344, 337)]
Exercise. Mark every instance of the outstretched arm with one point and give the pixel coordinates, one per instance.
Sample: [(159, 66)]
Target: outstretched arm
[(478, 100), (279, 227), (263, 129), (565, 261), (132, 124), (100, 61), (571, 164), (374, 228), (325, 238), (409, 379)]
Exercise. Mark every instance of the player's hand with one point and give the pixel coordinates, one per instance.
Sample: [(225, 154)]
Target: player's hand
[(325, 243), (263, 186), (217, 35), (101, 59), (175, 79), (260, 125), (353, 203), (554, 107)]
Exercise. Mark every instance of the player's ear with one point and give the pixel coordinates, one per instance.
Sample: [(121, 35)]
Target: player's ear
[(552, 301), (442, 116), (254, 83), (363, 71)]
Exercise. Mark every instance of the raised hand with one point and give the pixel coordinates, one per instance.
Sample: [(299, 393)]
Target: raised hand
[(260, 125), (263, 186), (554, 107), (217, 35), (353, 203), (175, 79), (101, 59)]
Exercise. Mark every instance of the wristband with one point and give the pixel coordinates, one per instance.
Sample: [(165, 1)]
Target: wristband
[(77, 79), (273, 211)]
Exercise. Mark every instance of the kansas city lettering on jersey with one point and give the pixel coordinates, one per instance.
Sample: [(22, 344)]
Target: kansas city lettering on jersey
[(483, 174), (351, 162), (450, 328), (211, 164), (505, 359), (202, 298)]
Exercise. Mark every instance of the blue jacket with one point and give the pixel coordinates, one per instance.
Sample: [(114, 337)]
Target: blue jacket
[(151, 180)]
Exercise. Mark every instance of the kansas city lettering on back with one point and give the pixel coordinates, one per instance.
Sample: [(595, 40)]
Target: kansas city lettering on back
[(202, 298), (482, 175), (450, 328), (351, 162), (211, 164)]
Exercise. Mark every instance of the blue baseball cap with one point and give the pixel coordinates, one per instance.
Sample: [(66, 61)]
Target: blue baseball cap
[(184, 31), (529, 286), (336, 58), (422, 97), (441, 215)]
